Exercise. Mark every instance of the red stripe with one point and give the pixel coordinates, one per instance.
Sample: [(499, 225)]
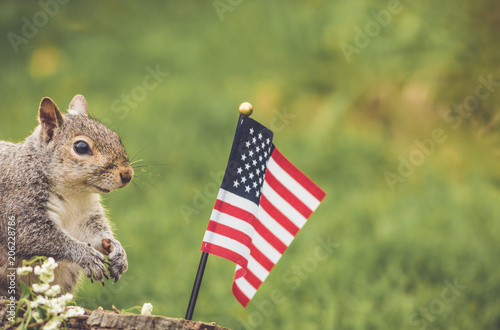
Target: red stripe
[(252, 279), (278, 216), (224, 253), (229, 232), (269, 237), (261, 259), (283, 191), (234, 211), (300, 177), (240, 296)]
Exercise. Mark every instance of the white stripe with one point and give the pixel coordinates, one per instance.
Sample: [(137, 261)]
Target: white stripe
[(245, 287), (240, 202), (257, 269), (267, 249), (227, 243), (232, 222), (274, 227), (291, 184), (282, 205)]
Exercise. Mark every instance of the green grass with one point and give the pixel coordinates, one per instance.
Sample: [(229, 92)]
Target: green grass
[(394, 252)]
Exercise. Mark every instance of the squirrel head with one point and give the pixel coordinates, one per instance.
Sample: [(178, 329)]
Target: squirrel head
[(82, 154)]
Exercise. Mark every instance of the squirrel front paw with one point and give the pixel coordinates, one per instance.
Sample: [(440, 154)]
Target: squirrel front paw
[(117, 256), (93, 263)]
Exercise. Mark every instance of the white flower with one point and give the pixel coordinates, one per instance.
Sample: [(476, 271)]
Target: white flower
[(40, 300), (73, 311), (54, 290), (24, 270), (147, 308), (53, 324), (40, 288), (36, 316), (64, 299), (46, 271), (50, 264)]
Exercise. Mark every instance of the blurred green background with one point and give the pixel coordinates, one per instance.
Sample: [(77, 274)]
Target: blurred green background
[(353, 91)]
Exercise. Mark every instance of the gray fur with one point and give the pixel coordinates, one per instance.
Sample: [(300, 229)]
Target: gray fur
[(52, 191)]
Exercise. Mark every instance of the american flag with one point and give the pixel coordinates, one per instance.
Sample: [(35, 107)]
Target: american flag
[(263, 202)]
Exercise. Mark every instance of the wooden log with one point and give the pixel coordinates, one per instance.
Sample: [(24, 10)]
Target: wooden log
[(106, 320)]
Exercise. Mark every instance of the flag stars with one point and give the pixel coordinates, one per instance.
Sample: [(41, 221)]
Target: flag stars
[(243, 157), (247, 166), (251, 175), (251, 130), (254, 162), (257, 171), (260, 158), (243, 179), (240, 170), (254, 140), (257, 149), (236, 184), (255, 184), (263, 145), (268, 141), (247, 189), (260, 136), (248, 144), (250, 154)]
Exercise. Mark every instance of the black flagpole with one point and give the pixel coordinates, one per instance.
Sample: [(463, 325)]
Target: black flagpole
[(245, 109), (196, 287)]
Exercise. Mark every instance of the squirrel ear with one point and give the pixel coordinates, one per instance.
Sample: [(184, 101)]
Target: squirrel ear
[(78, 106), (50, 117)]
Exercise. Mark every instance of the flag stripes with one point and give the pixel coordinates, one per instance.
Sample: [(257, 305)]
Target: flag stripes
[(255, 232)]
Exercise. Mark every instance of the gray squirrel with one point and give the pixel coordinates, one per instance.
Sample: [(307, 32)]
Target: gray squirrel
[(49, 197)]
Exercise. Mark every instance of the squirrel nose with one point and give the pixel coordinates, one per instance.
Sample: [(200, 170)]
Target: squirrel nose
[(127, 175)]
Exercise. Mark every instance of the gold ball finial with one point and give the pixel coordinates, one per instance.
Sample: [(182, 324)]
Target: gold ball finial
[(245, 109)]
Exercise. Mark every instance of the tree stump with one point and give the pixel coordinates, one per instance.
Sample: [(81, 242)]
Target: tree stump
[(105, 320)]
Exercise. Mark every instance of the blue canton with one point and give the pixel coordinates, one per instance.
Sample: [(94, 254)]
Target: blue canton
[(250, 153)]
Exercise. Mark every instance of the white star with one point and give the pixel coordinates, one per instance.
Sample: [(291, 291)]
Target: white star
[(268, 141), (247, 189), (254, 140), (236, 184), (263, 167), (243, 157), (260, 136), (247, 166), (255, 184), (248, 144), (260, 158), (251, 131), (251, 176), (257, 193), (257, 171), (243, 180), (240, 170), (265, 154), (254, 162), (263, 145), (257, 149), (260, 180), (250, 153)]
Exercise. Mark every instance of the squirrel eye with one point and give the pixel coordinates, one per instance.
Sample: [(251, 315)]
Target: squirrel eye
[(82, 148)]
